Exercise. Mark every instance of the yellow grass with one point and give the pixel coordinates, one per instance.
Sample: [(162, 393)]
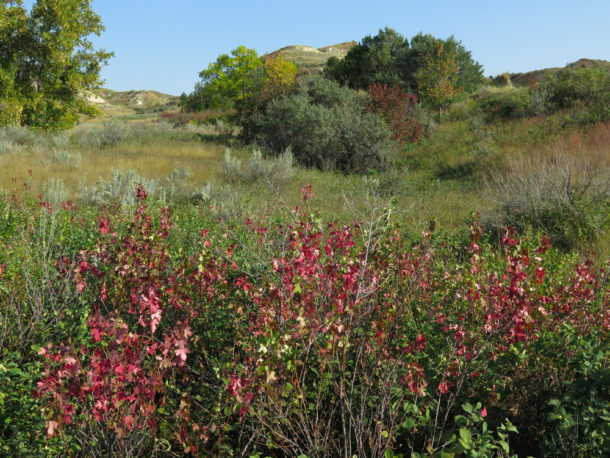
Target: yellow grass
[(157, 162), (423, 195)]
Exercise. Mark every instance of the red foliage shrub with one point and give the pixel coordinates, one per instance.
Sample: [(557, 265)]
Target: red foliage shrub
[(333, 343), (397, 108), (140, 313)]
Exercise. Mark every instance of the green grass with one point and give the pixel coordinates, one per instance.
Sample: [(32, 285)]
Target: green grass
[(440, 178)]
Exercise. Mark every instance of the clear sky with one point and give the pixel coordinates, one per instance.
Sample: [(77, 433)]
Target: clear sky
[(164, 44)]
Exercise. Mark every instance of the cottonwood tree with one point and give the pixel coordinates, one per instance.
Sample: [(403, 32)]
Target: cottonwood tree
[(47, 62), (231, 78)]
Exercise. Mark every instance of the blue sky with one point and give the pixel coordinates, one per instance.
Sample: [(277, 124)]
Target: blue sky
[(164, 44)]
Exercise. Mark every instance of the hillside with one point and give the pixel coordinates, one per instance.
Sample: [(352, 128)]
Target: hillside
[(529, 78), (311, 60), (131, 102)]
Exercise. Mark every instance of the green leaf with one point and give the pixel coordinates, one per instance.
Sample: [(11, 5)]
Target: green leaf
[(461, 420), (409, 423), (465, 439), (467, 407), (504, 446)]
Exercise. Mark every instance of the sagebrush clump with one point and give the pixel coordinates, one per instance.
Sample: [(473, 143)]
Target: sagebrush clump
[(326, 126), (563, 195)]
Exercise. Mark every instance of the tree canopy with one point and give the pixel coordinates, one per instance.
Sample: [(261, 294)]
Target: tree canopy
[(375, 59), (389, 58), (240, 80), (229, 79), (437, 78), (47, 62)]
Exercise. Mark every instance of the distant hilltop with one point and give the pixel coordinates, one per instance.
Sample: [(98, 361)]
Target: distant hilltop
[(530, 78), (127, 102), (311, 60)]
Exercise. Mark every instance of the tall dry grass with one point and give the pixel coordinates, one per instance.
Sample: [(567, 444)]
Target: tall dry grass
[(562, 190), (153, 152)]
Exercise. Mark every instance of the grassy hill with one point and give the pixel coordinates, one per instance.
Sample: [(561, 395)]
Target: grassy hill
[(530, 78), (121, 103), (311, 60)]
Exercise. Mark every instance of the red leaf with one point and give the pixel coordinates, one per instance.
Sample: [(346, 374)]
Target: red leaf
[(103, 225)]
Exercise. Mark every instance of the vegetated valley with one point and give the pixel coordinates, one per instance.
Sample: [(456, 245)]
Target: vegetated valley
[(352, 251)]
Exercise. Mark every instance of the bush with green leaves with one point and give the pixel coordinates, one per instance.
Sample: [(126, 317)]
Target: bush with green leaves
[(584, 90), (22, 424), (326, 126), (511, 103), (578, 417), (582, 86), (582, 93)]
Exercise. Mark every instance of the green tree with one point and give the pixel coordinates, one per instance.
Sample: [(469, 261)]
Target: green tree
[(374, 59), (47, 62), (276, 80), (389, 58), (230, 79), (437, 79), (13, 26), (279, 76), (469, 75)]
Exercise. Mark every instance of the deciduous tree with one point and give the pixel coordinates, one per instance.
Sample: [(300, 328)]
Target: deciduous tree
[(47, 61), (437, 78), (230, 78), (279, 75)]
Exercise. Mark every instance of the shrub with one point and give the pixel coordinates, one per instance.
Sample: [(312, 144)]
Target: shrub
[(109, 133), (231, 167), (327, 127), (397, 108), (176, 182), (582, 92), (275, 170), (111, 388), (579, 420), (179, 118), (565, 196), (279, 338), (38, 294), (573, 88), (7, 146), (21, 136), (510, 103), (118, 188), (62, 156)]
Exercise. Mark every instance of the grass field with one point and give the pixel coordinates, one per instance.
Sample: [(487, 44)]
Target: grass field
[(439, 178), (215, 318)]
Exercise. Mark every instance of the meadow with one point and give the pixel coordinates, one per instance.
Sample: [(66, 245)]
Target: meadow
[(166, 289)]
